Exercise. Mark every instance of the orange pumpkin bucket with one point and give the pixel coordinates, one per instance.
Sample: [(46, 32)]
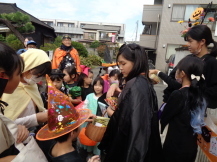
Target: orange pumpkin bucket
[(84, 140), (95, 131)]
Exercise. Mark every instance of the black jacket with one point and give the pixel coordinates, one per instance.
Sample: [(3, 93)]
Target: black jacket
[(132, 134)]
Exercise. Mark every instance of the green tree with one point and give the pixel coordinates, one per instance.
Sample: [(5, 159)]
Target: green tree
[(95, 44), (13, 42), (18, 23), (58, 41), (2, 38), (80, 48), (49, 47)]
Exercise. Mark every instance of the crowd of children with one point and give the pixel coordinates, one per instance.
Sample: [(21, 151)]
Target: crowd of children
[(73, 98)]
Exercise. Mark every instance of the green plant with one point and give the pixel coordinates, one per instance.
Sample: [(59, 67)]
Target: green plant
[(95, 44), (20, 20), (13, 42), (80, 48), (2, 38), (91, 60), (58, 41), (49, 47)]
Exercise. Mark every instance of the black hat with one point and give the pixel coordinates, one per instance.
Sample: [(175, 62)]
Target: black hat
[(66, 37)]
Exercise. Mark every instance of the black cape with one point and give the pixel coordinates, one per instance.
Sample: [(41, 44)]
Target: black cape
[(132, 134)]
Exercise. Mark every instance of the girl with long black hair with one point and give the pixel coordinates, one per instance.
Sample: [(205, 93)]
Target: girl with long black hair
[(133, 131), (184, 112)]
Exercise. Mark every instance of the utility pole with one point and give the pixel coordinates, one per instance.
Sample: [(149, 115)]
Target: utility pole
[(136, 29)]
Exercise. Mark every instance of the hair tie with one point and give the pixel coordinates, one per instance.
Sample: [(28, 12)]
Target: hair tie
[(195, 77)]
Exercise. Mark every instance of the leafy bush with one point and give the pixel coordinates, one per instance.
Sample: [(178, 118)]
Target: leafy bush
[(49, 47), (95, 44), (2, 38), (80, 48), (13, 42), (91, 60)]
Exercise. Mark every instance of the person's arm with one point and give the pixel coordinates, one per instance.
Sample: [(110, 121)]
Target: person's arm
[(110, 111), (173, 107), (32, 120), (113, 90), (77, 60), (7, 158), (54, 63), (170, 80)]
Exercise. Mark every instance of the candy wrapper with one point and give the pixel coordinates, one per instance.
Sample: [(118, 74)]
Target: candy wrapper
[(101, 121), (112, 102)]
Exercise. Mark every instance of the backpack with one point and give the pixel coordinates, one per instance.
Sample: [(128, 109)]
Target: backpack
[(66, 61)]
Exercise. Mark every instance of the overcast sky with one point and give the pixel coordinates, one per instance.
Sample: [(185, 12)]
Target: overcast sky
[(111, 11)]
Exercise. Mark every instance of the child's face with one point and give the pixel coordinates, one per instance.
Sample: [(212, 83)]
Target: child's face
[(88, 80), (113, 78), (12, 82), (98, 88), (67, 77), (57, 83), (125, 65)]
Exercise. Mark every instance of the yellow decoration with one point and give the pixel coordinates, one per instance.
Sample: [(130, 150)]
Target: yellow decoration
[(196, 14), (181, 21), (196, 23)]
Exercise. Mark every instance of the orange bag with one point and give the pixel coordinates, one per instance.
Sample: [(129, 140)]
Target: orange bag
[(84, 139)]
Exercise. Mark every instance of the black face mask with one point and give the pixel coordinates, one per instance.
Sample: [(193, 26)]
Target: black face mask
[(3, 83)]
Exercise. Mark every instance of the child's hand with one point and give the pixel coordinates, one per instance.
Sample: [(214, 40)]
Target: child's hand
[(92, 116), (153, 71), (111, 91), (22, 133), (94, 159)]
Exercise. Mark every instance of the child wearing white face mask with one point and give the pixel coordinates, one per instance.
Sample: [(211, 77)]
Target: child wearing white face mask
[(25, 105)]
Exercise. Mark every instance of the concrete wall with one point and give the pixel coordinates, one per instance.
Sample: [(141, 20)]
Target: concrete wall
[(169, 32)]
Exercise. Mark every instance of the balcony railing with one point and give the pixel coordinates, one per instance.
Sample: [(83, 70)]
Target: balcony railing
[(150, 13), (63, 29), (147, 40)]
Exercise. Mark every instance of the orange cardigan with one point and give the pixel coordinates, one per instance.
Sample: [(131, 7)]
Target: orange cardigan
[(59, 54)]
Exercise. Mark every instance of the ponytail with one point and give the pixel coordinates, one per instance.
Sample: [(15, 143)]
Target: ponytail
[(197, 103), (214, 49)]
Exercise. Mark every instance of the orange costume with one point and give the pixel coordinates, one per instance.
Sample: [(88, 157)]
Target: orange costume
[(59, 54)]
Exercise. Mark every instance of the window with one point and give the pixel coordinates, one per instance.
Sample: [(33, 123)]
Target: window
[(82, 25), (50, 23), (59, 24), (71, 25), (90, 36), (183, 12), (147, 29)]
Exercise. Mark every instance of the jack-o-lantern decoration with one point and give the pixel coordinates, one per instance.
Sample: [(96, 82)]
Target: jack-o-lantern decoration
[(197, 13)]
